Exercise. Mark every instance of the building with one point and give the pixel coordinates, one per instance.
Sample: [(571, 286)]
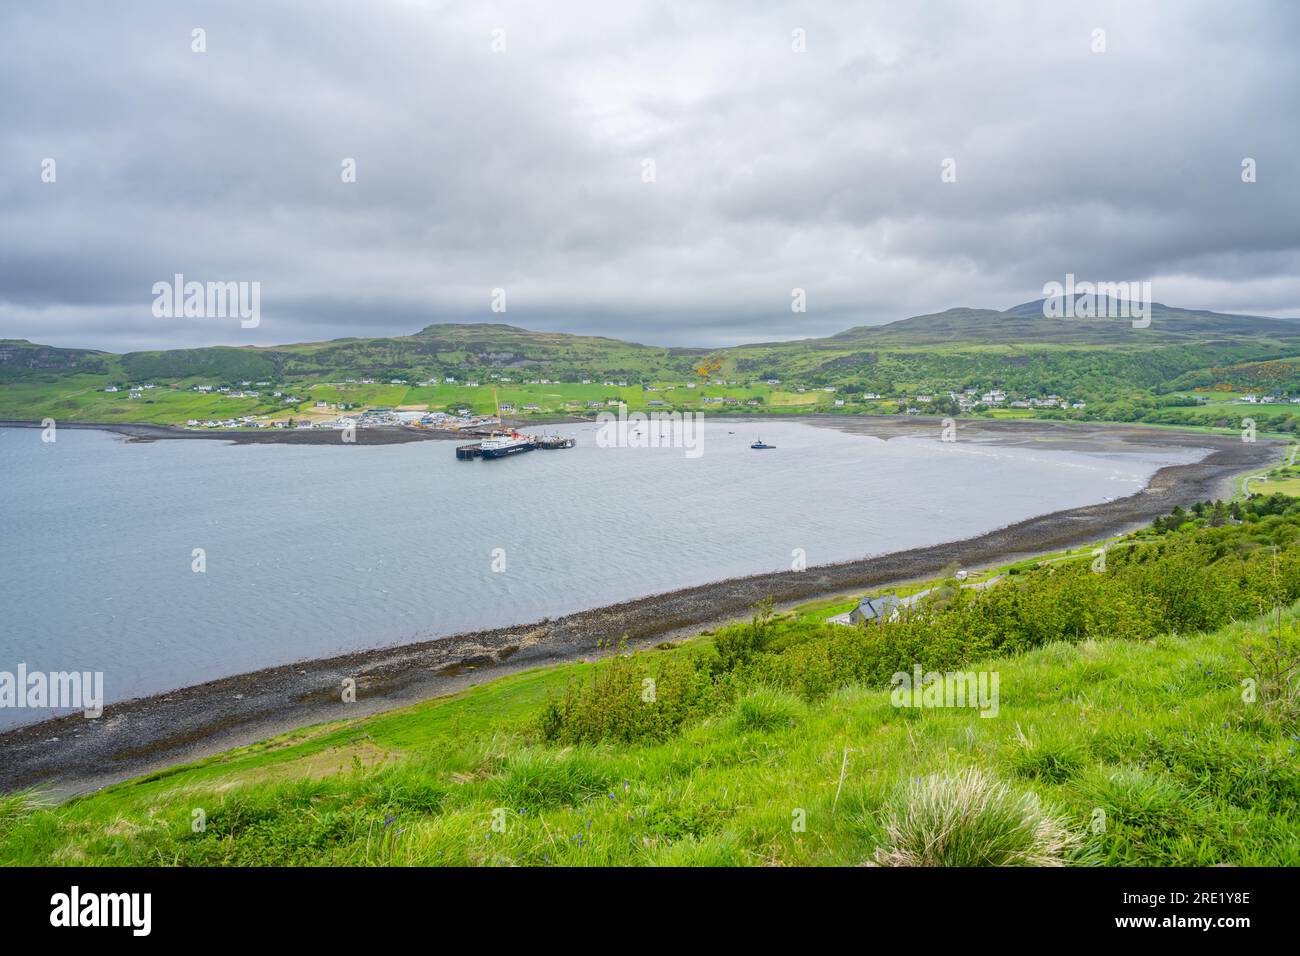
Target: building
[(874, 610)]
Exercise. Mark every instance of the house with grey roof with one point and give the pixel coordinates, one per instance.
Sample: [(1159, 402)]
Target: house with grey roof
[(875, 610)]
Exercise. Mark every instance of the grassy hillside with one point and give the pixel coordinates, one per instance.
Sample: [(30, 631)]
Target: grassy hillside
[(1188, 367), (1122, 736)]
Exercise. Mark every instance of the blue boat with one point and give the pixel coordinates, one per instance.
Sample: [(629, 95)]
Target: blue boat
[(761, 444)]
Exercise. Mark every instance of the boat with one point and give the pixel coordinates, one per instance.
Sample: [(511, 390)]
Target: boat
[(503, 444), (761, 444), (507, 443), (554, 441)]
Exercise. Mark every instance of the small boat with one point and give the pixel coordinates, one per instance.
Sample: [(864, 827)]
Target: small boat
[(761, 444)]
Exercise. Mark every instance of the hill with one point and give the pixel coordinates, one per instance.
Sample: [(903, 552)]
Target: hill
[(1097, 369)]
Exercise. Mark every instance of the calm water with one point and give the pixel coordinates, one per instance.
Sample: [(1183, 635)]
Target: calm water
[(313, 551)]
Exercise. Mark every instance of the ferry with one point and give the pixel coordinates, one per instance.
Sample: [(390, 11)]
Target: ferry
[(501, 445)]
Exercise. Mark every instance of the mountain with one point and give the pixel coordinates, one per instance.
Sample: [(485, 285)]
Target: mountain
[(1027, 323), (933, 348)]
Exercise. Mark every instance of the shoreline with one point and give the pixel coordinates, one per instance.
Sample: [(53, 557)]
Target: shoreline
[(71, 755), (378, 435)]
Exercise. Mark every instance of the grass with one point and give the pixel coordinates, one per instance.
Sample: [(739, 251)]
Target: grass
[(968, 818), (1282, 480), (82, 398), (1121, 735), (1116, 752)]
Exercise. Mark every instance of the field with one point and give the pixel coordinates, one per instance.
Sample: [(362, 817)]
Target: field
[(82, 398)]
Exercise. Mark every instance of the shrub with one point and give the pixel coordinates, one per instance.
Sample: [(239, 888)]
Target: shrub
[(739, 643), (625, 700)]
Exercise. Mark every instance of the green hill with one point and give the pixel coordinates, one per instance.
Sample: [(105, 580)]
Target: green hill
[(1107, 368)]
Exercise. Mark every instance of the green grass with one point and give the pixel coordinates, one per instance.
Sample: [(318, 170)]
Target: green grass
[(1284, 480), (82, 398), (1122, 735), (1140, 752)]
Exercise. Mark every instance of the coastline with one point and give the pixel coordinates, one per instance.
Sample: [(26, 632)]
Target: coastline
[(71, 755), (380, 435)]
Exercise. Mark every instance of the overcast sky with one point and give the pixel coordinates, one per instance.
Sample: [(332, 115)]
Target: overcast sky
[(524, 169)]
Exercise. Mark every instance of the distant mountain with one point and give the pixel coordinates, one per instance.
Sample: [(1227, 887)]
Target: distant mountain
[(439, 349), (19, 355), (1028, 324)]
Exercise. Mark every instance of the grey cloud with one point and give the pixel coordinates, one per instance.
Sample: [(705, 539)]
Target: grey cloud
[(774, 169)]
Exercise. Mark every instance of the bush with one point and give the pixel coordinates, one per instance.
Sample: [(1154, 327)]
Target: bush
[(626, 701), (738, 644)]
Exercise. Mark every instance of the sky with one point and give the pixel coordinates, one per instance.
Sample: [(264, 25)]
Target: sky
[(666, 173)]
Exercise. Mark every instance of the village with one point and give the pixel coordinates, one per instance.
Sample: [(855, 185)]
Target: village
[(452, 403), (359, 402)]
